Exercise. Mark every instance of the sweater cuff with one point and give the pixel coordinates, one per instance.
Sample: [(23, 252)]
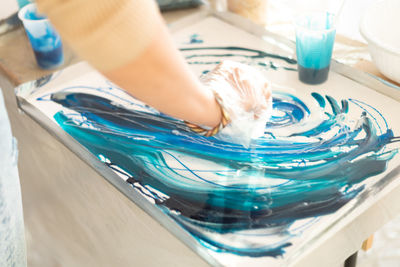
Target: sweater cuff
[(106, 33)]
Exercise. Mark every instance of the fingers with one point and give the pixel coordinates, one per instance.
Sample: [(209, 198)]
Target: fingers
[(267, 93), (243, 87)]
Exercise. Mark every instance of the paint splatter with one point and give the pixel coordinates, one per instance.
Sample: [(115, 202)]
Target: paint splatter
[(195, 39)]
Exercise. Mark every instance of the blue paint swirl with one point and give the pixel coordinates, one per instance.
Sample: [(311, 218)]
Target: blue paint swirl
[(281, 179), (311, 162)]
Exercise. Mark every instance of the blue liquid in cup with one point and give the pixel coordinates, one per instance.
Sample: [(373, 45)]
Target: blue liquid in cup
[(315, 37), (45, 41), (22, 3), (48, 49), (49, 58), (32, 15)]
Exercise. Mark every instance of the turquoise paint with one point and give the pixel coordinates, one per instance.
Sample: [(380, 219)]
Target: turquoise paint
[(315, 37), (257, 192), (318, 177)]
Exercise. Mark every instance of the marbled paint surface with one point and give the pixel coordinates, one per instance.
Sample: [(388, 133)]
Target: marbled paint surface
[(313, 159)]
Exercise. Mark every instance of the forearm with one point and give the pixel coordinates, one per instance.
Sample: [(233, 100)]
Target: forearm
[(128, 42), (161, 78)]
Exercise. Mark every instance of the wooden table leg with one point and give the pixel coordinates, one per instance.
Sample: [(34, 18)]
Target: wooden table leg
[(352, 260), (367, 244)]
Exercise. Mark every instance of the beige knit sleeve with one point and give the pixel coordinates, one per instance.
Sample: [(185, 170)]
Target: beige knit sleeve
[(106, 33)]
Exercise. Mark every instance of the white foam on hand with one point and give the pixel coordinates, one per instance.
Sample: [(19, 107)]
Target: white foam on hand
[(246, 96)]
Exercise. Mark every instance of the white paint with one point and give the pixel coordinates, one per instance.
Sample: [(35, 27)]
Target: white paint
[(8, 7)]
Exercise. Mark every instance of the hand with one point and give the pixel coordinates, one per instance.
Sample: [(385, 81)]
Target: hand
[(246, 96)]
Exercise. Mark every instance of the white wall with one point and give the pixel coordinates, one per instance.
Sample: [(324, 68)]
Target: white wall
[(349, 22), (7, 7), (348, 25)]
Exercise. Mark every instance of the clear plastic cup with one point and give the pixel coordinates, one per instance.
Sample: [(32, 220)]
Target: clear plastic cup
[(315, 37), (45, 41)]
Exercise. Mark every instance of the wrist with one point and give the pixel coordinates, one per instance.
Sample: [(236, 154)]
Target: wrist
[(212, 110), (220, 121)]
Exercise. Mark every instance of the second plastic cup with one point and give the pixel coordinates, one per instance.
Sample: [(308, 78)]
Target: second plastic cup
[(315, 37), (45, 41)]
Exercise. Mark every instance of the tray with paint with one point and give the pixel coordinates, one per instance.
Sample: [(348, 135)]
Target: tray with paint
[(327, 153)]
